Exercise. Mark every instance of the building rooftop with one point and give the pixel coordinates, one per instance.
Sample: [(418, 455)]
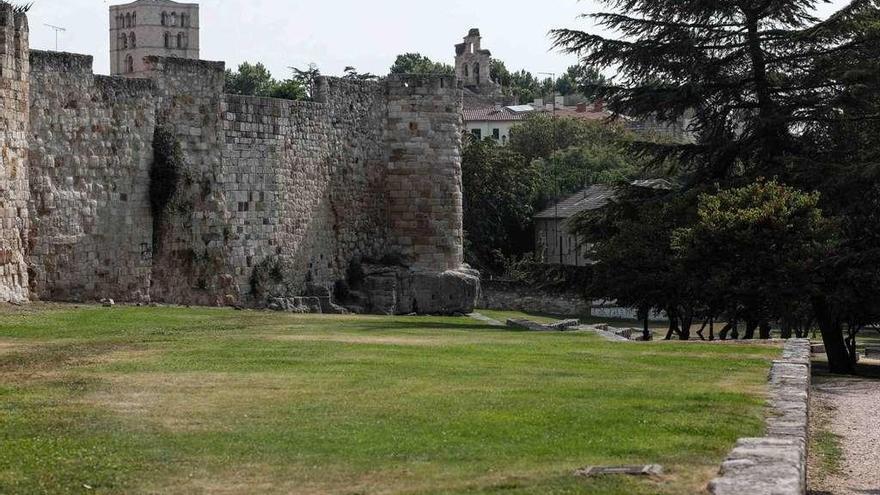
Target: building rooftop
[(495, 114), (595, 197)]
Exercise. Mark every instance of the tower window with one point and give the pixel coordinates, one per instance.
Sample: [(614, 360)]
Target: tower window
[(167, 40), (180, 40), (129, 64), (128, 20), (134, 17), (467, 71), (164, 18), (123, 41), (132, 41), (174, 18)]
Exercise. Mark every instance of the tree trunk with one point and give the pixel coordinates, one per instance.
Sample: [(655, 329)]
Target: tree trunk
[(712, 330), (751, 326), (839, 360), (646, 330), (786, 327), (702, 329)]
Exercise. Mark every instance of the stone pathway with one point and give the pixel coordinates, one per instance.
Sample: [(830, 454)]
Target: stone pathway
[(850, 408)]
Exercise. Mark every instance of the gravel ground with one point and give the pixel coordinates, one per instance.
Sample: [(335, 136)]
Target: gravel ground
[(850, 408)]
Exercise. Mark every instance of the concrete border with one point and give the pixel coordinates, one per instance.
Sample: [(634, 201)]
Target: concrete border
[(777, 463)]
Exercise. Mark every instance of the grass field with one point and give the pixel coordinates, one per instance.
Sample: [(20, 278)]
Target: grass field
[(173, 400)]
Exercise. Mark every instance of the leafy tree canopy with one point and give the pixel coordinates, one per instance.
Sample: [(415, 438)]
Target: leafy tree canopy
[(416, 63), (256, 80)]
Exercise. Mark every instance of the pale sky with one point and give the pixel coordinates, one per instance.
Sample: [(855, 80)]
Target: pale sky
[(367, 34)]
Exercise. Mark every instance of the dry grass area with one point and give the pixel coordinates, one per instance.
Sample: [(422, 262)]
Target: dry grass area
[(180, 401)]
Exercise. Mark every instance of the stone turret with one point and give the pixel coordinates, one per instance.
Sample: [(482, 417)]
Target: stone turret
[(14, 90)]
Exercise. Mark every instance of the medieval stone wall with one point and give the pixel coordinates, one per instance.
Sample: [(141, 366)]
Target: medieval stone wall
[(165, 189), (90, 154), (14, 87)]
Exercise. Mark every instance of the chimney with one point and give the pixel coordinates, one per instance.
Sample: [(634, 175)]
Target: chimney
[(599, 105), (582, 108)]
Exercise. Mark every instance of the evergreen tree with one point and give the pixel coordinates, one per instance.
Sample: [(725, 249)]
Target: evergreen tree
[(774, 92)]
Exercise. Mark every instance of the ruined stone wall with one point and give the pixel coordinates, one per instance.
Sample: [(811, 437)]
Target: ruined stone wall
[(14, 87), (90, 154), (424, 171)]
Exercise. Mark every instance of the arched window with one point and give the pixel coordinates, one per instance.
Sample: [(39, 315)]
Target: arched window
[(174, 18), (167, 40), (123, 41), (183, 20), (129, 64), (179, 40), (134, 20), (119, 21), (477, 72), (128, 20), (467, 71), (132, 41), (164, 18)]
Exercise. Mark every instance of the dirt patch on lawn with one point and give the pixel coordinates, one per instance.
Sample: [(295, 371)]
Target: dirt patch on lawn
[(198, 401)]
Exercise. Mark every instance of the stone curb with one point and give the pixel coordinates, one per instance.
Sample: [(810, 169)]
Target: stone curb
[(777, 463)]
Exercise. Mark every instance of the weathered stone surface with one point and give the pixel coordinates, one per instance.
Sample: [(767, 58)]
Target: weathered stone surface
[(776, 464), (560, 326), (14, 218), (368, 170), (399, 291), (644, 470), (504, 296)]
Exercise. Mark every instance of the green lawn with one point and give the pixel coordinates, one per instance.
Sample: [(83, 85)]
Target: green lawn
[(173, 400)]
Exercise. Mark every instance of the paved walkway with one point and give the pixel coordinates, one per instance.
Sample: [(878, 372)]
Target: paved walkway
[(850, 408)]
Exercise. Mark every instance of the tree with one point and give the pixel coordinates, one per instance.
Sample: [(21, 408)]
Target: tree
[(579, 79), (499, 191), (570, 170), (256, 80), (307, 78), (416, 63), (249, 79), (764, 80), (757, 250), (636, 264), (541, 135), (352, 74)]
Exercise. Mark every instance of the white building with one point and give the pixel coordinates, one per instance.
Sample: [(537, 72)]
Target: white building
[(151, 27)]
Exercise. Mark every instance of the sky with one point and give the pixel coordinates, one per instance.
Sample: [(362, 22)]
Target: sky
[(366, 34)]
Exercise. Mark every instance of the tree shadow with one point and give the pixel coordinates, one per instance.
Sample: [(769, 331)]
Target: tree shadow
[(869, 371)]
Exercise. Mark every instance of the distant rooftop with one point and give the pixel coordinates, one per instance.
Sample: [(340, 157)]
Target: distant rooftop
[(595, 197)]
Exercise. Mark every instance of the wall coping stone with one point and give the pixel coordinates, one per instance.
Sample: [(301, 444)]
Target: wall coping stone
[(777, 463), (60, 61)]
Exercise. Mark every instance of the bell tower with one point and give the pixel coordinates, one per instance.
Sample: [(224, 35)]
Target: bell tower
[(151, 27)]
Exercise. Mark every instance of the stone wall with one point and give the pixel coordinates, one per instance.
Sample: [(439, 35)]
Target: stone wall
[(165, 189), (777, 463), (14, 88), (90, 154), (506, 296)]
